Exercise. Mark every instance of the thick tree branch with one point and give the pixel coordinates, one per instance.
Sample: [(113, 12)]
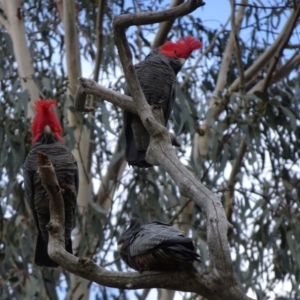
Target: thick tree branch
[(77, 288), (16, 29), (88, 86), (204, 285), (161, 152), (165, 27)]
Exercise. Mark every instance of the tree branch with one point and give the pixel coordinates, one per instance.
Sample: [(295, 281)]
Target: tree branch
[(264, 58), (16, 28), (193, 281), (77, 288), (207, 50), (216, 103), (165, 27), (161, 152), (88, 86), (235, 30), (112, 176), (221, 81), (229, 195), (99, 38), (284, 41)]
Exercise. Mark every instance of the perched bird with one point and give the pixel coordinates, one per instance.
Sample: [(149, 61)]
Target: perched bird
[(156, 246), (157, 78), (47, 138)]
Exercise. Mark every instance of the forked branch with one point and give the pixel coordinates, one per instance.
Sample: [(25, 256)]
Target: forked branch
[(221, 282)]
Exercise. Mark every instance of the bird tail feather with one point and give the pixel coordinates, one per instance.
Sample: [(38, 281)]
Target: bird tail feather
[(133, 156), (42, 257)]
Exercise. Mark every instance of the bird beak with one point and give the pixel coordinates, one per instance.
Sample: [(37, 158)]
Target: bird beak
[(47, 129), (182, 60), (120, 247)]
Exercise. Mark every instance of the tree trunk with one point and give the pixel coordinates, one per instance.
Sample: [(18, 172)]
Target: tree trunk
[(78, 287), (16, 29)]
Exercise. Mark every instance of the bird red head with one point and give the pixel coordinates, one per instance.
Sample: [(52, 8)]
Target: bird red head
[(183, 48), (45, 116)]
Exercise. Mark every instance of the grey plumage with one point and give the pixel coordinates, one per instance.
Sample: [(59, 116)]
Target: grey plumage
[(156, 246), (157, 78), (66, 170)]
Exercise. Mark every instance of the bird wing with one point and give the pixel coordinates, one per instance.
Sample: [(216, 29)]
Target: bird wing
[(29, 190), (158, 82), (154, 235), (66, 170), (170, 103)]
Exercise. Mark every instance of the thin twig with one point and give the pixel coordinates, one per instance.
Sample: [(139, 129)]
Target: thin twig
[(180, 211), (206, 51), (264, 58), (99, 38), (237, 47), (285, 39), (264, 7), (229, 195)]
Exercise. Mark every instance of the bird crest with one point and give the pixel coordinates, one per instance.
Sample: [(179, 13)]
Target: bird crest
[(47, 118), (183, 48)]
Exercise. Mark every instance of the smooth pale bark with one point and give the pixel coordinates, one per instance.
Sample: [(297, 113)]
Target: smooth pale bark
[(201, 144), (78, 288), (16, 29), (14, 24)]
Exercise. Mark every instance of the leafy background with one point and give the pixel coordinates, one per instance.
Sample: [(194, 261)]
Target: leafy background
[(248, 154)]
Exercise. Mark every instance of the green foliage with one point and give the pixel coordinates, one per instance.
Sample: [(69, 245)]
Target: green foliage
[(265, 216)]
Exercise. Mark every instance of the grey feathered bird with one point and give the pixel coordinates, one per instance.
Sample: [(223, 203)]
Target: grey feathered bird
[(46, 132), (157, 78), (156, 246)]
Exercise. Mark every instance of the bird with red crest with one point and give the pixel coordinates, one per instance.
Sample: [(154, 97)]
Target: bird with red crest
[(157, 78), (47, 138)]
